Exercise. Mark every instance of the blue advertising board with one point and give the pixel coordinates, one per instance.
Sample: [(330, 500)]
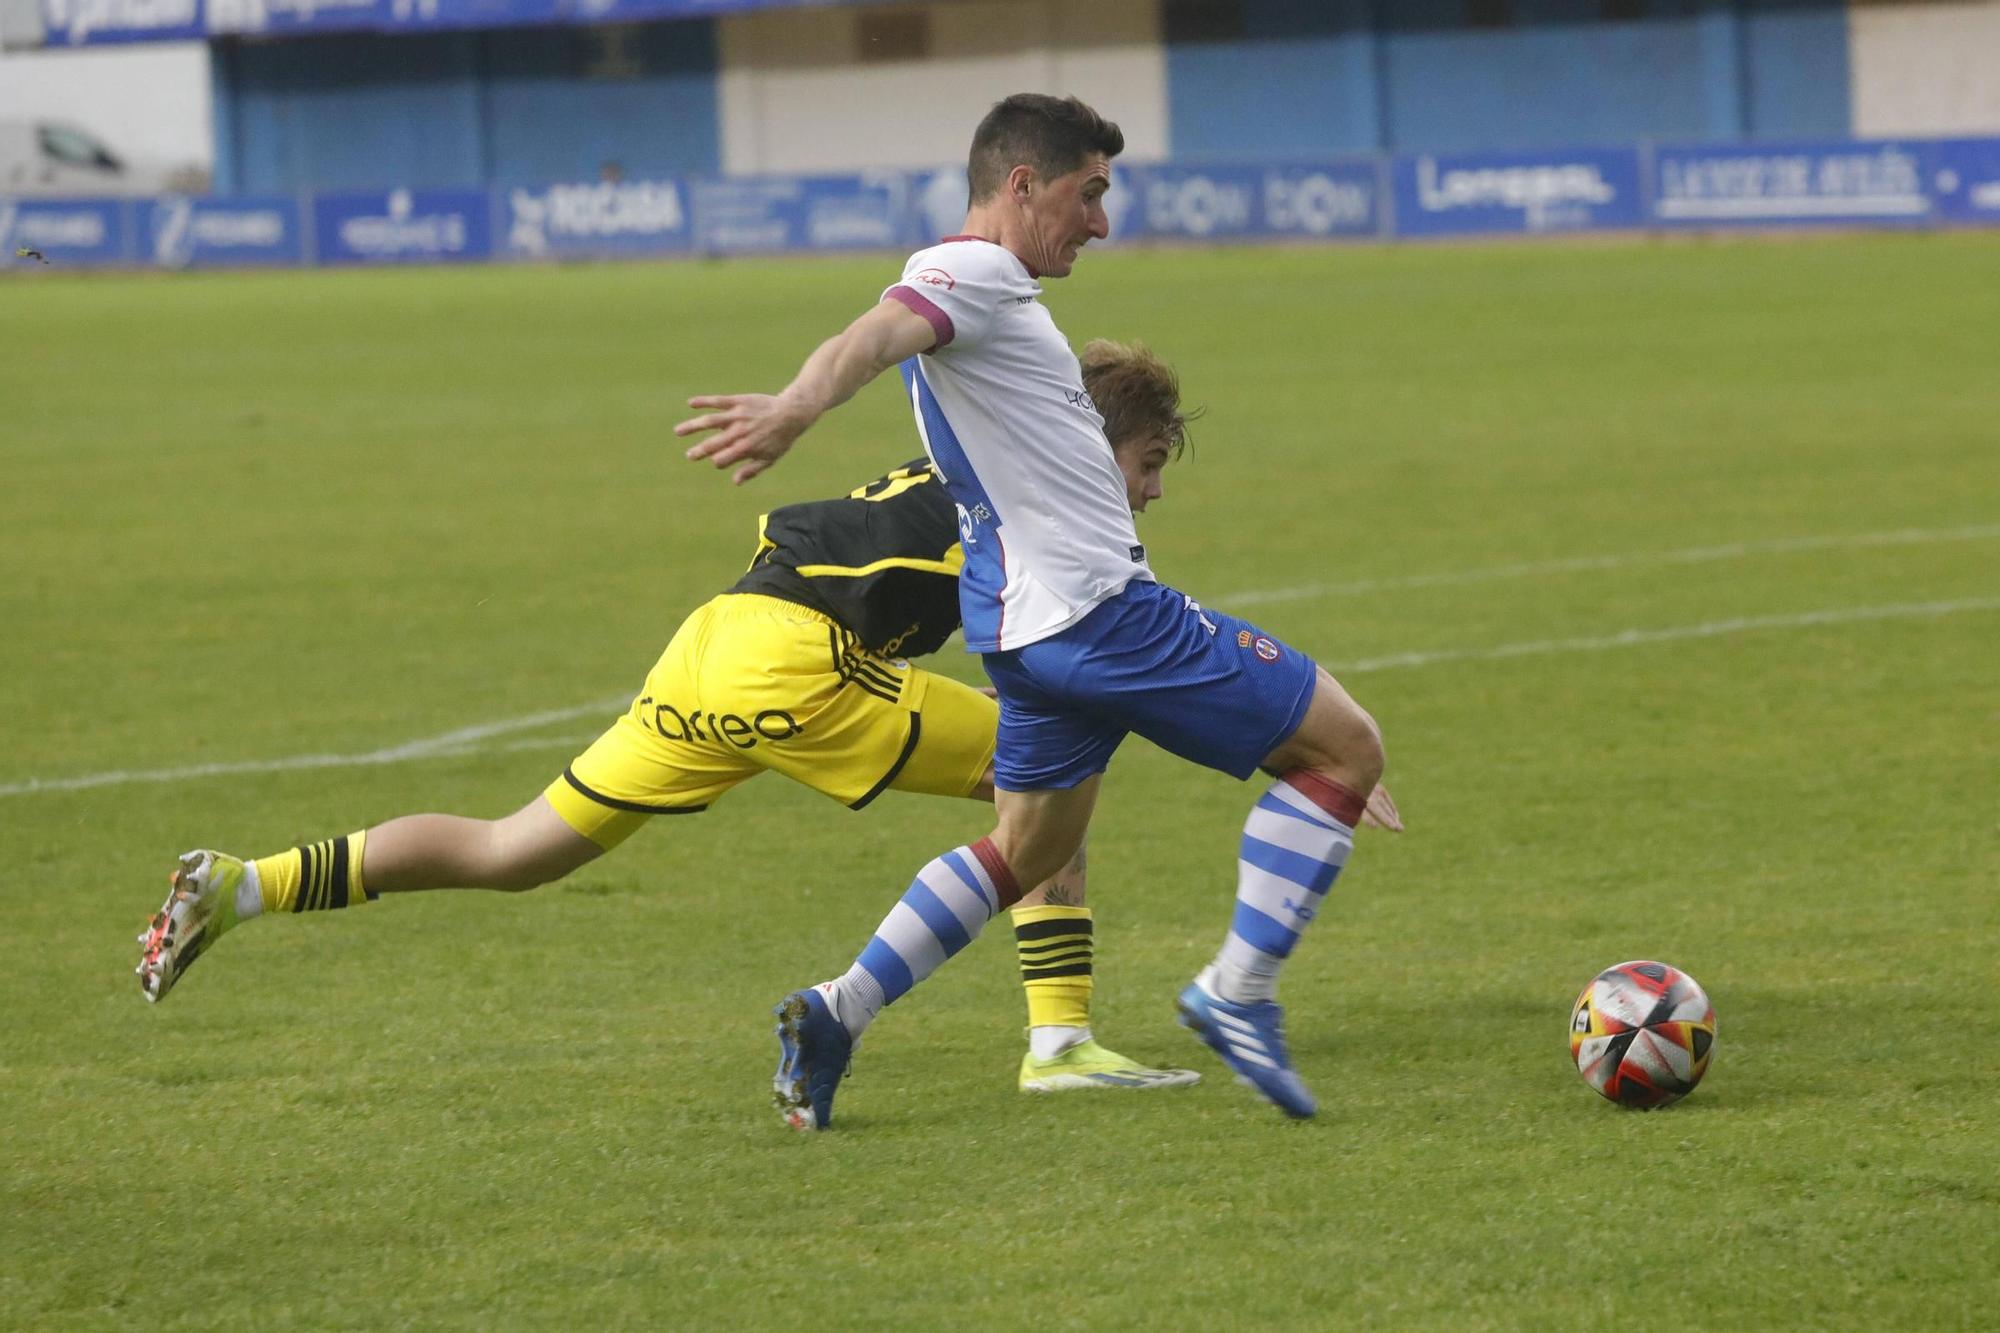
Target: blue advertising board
[(282, 18), (179, 232), (1243, 201), (1896, 182), (1444, 194), (872, 211), (299, 17), (1965, 180), (597, 218), (402, 227), (64, 231), (1792, 184), (89, 22)]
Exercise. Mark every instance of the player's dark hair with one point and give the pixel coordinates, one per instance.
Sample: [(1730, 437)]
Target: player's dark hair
[(1136, 393), (1050, 134)]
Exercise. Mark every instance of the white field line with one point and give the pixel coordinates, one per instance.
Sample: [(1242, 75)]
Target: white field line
[(1689, 555), (475, 740), (1710, 630), (462, 741), (470, 740)]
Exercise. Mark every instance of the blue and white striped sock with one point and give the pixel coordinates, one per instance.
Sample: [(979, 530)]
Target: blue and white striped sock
[(947, 905), (1294, 844)]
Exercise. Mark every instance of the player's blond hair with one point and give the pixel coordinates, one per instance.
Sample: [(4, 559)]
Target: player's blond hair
[(1136, 393)]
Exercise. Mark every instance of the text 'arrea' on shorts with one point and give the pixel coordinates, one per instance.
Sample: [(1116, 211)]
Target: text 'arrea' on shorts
[(1198, 683), (753, 684)]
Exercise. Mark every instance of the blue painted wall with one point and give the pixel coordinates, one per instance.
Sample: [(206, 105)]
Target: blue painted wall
[(549, 125), (1295, 78), (505, 107), (1254, 77), (1245, 79), (1795, 70)]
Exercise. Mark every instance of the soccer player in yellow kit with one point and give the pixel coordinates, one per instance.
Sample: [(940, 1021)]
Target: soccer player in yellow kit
[(800, 668)]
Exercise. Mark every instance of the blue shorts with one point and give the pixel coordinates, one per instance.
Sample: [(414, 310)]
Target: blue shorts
[(1198, 683)]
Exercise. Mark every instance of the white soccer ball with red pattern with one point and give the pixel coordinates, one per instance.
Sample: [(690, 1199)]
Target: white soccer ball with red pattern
[(1642, 1034)]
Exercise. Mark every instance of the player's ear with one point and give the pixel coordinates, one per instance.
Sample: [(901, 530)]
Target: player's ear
[(1020, 180)]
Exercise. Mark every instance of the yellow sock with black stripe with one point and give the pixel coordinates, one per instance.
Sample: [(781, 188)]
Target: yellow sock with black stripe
[(318, 877), (1055, 948)]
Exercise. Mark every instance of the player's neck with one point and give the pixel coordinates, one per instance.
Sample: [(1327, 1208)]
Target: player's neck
[(1003, 227)]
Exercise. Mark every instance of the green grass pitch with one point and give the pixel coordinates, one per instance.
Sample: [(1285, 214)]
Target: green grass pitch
[(1672, 572)]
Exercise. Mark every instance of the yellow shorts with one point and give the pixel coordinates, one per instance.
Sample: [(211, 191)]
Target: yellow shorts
[(751, 683)]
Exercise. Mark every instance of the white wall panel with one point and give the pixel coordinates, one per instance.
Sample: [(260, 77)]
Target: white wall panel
[(795, 96), (1926, 68)]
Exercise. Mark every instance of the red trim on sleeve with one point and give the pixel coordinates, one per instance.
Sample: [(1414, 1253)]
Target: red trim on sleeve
[(997, 871), (939, 321), (1336, 798)]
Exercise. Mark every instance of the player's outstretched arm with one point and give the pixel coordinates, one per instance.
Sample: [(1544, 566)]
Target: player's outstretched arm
[(753, 430)]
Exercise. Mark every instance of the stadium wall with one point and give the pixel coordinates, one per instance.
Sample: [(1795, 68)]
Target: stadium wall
[(842, 89), (505, 106), (1926, 68), (848, 87), (1352, 76)]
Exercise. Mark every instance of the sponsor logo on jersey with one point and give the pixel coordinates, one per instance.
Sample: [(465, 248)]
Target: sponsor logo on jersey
[(693, 724), (934, 277)]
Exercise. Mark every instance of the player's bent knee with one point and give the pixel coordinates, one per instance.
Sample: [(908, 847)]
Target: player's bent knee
[(1337, 739)]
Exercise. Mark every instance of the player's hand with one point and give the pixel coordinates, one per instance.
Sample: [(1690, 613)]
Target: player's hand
[(752, 431), (1380, 812)]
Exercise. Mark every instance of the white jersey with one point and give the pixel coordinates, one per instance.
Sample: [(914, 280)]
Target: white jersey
[(1000, 403)]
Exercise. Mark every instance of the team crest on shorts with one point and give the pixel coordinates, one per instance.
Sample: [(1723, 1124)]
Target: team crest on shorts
[(1264, 648)]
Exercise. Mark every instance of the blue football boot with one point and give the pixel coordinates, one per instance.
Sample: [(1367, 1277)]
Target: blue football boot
[(813, 1051), (1250, 1038)]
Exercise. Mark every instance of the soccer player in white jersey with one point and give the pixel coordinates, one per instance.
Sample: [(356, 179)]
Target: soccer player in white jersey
[(1082, 643)]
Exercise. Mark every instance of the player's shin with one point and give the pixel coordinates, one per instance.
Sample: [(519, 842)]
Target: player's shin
[(1295, 842), (945, 907)]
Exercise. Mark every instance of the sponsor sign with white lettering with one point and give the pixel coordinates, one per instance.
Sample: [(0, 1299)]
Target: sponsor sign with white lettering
[(81, 22), (178, 232), (90, 22), (402, 227), (64, 231), (1249, 201), (597, 218), (1965, 180), (1440, 194), (872, 211), (1791, 184)]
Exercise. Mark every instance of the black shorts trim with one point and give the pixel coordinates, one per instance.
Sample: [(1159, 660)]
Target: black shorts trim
[(633, 806), (909, 748)]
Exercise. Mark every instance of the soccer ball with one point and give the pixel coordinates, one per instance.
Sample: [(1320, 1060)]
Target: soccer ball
[(1642, 1033)]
